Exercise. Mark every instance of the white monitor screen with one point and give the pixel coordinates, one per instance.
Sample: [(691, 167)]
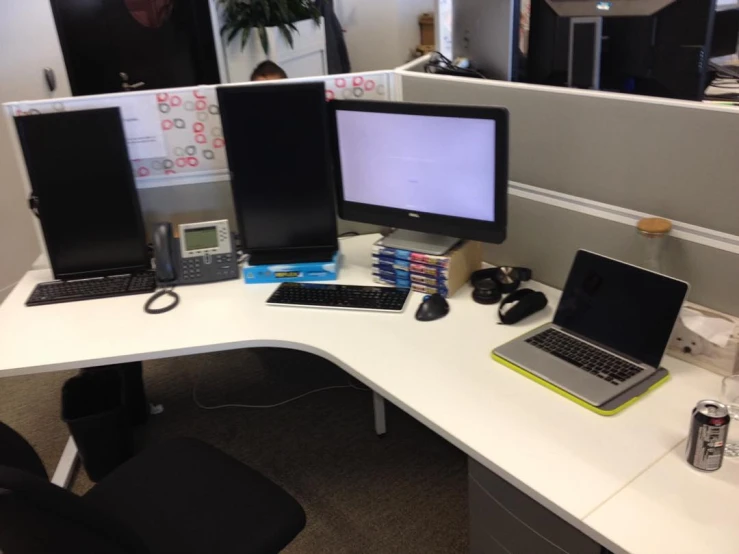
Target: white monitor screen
[(418, 163)]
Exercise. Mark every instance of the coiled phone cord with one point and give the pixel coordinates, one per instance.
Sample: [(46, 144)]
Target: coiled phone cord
[(166, 291)]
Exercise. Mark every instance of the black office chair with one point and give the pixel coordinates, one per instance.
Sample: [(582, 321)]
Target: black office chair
[(179, 497)]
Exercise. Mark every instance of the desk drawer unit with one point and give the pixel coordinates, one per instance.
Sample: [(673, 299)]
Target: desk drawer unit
[(504, 520)]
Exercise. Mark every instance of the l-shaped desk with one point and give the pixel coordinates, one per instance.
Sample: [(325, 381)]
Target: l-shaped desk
[(621, 480)]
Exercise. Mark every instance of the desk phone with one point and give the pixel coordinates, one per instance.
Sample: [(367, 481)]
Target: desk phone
[(203, 253)]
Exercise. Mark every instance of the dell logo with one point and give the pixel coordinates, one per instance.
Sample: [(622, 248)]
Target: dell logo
[(411, 214)]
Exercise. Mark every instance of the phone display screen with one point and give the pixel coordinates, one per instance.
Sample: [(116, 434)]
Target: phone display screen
[(200, 239)]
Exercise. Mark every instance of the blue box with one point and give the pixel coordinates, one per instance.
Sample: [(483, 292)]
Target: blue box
[(292, 273)]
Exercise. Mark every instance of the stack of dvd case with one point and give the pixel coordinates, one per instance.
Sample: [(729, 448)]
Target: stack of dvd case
[(425, 273)]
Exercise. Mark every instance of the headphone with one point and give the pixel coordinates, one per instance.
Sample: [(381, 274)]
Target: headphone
[(491, 284), (527, 302)]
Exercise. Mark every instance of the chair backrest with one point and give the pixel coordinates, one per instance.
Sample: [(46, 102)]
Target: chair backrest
[(15, 451), (39, 518)]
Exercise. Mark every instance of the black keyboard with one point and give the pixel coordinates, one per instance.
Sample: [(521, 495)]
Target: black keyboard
[(55, 292), (348, 297), (595, 361)]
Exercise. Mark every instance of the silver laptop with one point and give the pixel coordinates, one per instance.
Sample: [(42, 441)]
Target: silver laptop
[(610, 332)]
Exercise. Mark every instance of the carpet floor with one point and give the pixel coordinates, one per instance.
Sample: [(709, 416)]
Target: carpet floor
[(403, 493)]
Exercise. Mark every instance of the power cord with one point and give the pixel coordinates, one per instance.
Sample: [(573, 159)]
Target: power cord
[(267, 406), (439, 63)]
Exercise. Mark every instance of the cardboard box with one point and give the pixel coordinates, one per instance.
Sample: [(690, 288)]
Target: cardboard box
[(292, 273), (428, 29)]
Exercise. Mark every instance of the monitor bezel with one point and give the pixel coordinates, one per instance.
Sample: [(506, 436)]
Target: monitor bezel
[(463, 228)]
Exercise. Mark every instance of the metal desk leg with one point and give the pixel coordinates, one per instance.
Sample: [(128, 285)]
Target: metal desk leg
[(379, 407), (66, 466)]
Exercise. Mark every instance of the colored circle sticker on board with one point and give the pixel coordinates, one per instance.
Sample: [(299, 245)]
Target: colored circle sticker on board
[(168, 164), (358, 81), (190, 150), (208, 154), (218, 143), (179, 123), (190, 106), (369, 86), (179, 151), (192, 161), (202, 116), (167, 124), (216, 132), (175, 101), (198, 127), (164, 108), (330, 95), (341, 82), (201, 139), (162, 97), (201, 105), (213, 109), (181, 162), (143, 172)]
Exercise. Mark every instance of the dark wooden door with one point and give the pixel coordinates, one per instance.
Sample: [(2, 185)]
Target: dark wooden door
[(117, 45)]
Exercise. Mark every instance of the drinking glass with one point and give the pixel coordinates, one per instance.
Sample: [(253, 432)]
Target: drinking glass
[(730, 397)]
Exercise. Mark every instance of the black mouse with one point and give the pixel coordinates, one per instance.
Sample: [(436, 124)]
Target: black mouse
[(432, 308)]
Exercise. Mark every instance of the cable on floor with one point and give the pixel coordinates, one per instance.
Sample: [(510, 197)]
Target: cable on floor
[(202, 406)]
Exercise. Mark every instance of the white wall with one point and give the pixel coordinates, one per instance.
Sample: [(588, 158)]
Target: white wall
[(28, 44), (381, 33)]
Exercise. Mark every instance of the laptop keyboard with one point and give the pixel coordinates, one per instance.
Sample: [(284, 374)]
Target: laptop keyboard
[(595, 361)]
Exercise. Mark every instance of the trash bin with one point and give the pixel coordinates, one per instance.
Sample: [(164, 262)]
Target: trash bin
[(94, 409)]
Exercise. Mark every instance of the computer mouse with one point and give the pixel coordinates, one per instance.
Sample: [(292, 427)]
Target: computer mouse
[(432, 308)]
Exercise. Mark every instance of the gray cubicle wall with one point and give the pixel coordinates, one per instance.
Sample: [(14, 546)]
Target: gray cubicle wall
[(674, 159), (677, 159), (546, 238)]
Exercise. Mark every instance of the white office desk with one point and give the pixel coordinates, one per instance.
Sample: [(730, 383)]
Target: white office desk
[(674, 508), (567, 458)]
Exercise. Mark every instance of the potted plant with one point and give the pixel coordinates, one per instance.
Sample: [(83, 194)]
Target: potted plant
[(245, 16)]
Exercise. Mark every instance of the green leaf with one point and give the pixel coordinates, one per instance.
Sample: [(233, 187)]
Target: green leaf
[(246, 33), (264, 39), (285, 31), (245, 15), (233, 33)]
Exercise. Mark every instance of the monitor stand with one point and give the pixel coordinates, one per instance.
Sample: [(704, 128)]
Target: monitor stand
[(419, 242)]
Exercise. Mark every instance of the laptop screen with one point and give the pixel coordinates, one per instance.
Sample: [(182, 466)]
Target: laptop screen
[(621, 306)]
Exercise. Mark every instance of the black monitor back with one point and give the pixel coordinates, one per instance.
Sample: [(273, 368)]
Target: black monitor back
[(81, 176), (277, 147)]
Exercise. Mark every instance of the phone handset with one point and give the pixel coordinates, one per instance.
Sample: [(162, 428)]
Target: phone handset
[(164, 256)]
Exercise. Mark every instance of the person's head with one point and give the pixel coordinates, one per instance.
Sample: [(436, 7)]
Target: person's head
[(268, 71)]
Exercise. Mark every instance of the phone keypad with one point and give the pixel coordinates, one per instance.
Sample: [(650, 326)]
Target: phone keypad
[(191, 269)]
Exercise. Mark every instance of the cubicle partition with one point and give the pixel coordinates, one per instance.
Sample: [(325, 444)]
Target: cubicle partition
[(587, 165), (176, 141)]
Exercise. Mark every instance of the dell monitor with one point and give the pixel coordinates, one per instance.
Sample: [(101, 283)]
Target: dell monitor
[(437, 173), (81, 177)]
